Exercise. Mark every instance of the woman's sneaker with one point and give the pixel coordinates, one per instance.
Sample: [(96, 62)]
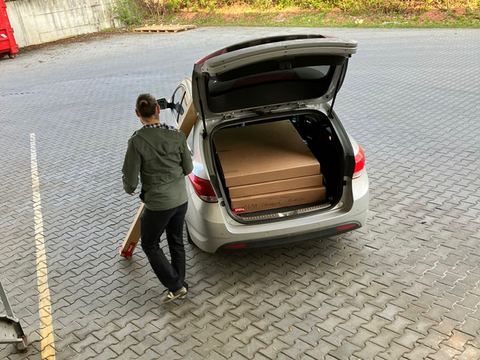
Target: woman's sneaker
[(185, 285), (174, 295)]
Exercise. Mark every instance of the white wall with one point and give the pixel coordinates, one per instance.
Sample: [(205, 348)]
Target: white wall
[(39, 21)]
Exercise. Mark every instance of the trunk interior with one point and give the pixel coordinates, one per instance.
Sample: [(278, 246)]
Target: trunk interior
[(319, 135)]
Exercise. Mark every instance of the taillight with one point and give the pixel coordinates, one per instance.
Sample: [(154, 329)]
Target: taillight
[(203, 189), (359, 163)]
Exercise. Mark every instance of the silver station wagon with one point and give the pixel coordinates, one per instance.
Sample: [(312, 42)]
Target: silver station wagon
[(273, 164)]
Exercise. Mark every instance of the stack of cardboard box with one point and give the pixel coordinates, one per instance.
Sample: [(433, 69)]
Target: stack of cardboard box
[(268, 166)]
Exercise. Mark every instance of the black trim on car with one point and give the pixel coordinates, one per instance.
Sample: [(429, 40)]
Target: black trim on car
[(290, 239)]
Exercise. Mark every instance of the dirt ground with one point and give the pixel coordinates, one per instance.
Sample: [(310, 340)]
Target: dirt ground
[(75, 39), (337, 16)]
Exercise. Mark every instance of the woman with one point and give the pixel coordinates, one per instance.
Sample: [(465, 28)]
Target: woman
[(159, 154)]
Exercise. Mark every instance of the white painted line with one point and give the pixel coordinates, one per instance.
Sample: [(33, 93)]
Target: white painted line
[(44, 306)]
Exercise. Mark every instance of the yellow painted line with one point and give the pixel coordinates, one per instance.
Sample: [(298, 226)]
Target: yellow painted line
[(44, 306)]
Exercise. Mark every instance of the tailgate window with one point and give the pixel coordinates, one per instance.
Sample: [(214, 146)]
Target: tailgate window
[(272, 82)]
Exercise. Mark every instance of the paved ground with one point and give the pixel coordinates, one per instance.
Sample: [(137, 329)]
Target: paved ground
[(405, 286)]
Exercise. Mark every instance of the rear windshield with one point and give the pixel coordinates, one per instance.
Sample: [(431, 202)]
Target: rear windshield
[(272, 82)]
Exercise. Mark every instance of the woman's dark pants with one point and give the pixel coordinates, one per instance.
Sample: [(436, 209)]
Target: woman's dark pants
[(153, 224)]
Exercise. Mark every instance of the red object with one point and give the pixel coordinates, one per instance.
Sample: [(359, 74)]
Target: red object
[(8, 46), (127, 253), (236, 246), (346, 227)]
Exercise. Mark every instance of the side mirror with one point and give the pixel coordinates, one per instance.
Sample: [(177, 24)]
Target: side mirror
[(179, 109), (163, 103)]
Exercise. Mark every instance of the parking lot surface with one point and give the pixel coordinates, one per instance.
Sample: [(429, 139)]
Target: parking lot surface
[(406, 286)]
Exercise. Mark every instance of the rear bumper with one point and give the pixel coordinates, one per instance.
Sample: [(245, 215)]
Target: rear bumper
[(211, 232)]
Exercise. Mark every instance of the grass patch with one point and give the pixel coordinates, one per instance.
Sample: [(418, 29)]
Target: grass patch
[(336, 18), (302, 13)]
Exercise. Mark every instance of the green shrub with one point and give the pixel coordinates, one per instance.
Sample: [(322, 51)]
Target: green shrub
[(130, 12), (175, 5)]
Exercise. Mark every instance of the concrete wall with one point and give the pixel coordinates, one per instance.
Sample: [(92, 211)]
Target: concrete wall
[(39, 21)]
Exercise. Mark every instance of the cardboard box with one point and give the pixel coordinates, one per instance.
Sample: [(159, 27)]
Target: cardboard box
[(133, 235), (263, 152), (187, 120), (278, 200), (276, 186)]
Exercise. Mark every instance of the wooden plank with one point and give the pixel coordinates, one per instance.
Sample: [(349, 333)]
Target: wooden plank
[(133, 235), (163, 28)]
